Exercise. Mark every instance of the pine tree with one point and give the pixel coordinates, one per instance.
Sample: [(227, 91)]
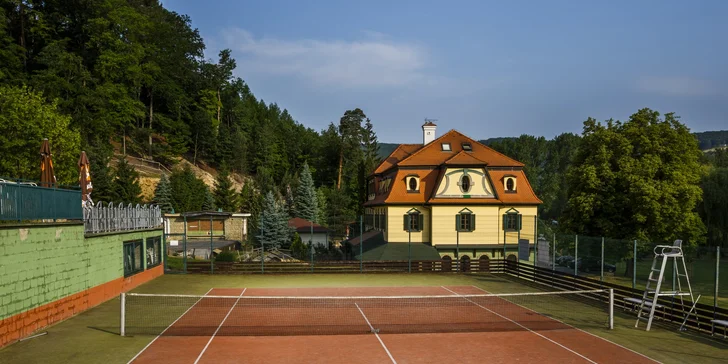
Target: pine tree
[(274, 230), (209, 203), (306, 205), (163, 195), (126, 184), (224, 193)]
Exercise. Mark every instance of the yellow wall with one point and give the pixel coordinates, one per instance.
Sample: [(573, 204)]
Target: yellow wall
[(449, 185), (395, 225), (488, 225)]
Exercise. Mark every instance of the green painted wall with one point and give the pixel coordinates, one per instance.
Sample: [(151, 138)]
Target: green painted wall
[(41, 264)]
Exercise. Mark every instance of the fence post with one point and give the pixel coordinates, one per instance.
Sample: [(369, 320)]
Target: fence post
[(535, 240), (553, 254), (122, 327), (576, 255), (602, 267), (361, 244), (262, 254), (634, 266), (184, 252), (212, 261), (717, 273), (310, 246), (18, 210)]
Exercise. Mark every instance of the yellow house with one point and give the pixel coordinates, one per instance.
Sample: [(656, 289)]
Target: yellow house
[(454, 194)]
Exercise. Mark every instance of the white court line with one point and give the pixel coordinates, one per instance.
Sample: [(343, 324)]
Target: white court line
[(170, 325), (219, 326), (375, 333), (534, 332), (586, 332)]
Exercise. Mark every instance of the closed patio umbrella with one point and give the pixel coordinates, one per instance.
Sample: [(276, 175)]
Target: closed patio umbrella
[(84, 179), (47, 175)]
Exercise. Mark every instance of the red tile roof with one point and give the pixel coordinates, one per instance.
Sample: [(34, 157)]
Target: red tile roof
[(430, 162), (304, 226), (433, 155), (401, 152)]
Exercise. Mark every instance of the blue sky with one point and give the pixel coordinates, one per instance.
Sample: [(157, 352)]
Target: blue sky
[(485, 68)]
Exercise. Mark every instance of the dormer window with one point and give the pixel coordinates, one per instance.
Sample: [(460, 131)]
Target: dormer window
[(510, 184), (465, 183), (446, 147), (413, 183), (467, 147)]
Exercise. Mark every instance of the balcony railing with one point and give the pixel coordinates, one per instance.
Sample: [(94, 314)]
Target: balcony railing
[(107, 217), (25, 201)]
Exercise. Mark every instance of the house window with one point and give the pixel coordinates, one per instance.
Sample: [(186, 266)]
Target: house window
[(510, 184), (133, 257), (465, 221), (413, 184), (446, 147), (512, 221), (413, 222), (465, 183), (467, 147), (154, 251)]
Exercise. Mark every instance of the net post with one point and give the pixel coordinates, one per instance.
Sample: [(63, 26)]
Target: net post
[(361, 244), (122, 326), (611, 308)]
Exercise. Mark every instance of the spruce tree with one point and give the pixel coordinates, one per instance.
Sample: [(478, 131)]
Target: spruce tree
[(188, 191), (306, 205), (163, 195), (209, 203), (126, 184), (274, 230), (224, 193)]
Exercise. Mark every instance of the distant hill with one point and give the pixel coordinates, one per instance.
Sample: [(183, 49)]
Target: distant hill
[(712, 139), (707, 140)]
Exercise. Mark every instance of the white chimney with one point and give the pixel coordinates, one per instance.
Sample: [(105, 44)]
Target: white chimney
[(428, 132)]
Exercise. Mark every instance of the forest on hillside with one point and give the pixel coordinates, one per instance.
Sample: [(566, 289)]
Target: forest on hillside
[(131, 77)]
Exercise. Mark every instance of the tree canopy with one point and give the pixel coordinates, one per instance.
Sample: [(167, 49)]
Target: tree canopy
[(637, 179)]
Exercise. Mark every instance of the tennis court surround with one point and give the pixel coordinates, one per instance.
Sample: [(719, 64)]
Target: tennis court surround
[(372, 325)]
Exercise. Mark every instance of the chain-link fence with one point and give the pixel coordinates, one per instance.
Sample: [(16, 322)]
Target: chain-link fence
[(629, 263)]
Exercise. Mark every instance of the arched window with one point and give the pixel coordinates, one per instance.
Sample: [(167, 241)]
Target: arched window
[(510, 185), (465, 183), (413, 184)]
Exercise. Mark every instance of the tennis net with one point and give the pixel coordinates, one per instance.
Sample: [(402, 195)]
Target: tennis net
[(190, 315)]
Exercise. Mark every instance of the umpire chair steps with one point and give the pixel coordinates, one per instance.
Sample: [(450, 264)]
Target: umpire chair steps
[(653, 291)]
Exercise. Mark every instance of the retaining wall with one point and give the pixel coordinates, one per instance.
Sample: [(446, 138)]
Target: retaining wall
[(50, 273)]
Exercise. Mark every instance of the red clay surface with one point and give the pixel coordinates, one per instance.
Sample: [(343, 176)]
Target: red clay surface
[(519, 341)]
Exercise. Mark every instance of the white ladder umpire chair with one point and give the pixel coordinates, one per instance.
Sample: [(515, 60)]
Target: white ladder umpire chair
[(653, 288)]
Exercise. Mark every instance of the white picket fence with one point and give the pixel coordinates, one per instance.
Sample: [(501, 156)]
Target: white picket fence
[(107, 217)]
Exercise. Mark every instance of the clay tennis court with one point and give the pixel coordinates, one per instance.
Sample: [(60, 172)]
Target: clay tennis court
[(206, 333)]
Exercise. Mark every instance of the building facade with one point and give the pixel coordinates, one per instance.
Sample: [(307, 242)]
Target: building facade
[(454, 194)]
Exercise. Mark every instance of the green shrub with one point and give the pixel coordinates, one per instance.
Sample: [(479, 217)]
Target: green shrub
[(225, 257)]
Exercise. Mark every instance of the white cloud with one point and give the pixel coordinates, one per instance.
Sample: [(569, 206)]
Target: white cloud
[(372, 63), (677, 86)]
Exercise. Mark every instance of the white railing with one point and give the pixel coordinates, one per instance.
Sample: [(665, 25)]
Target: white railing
[(107, 217)]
